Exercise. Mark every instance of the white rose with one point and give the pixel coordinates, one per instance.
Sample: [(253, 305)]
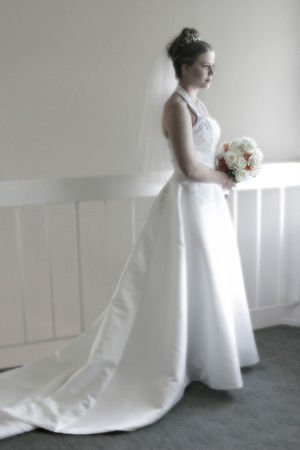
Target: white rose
[(254, 160), (230, 159), (253, 172), (236, 144), (259, 153), (240, 163), (241, 175), (248, 143), (243, 144)]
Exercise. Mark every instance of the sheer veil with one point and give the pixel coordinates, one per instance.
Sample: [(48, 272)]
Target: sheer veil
[(153, 155)]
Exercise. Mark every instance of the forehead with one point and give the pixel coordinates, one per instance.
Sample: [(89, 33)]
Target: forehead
[(208, 57)]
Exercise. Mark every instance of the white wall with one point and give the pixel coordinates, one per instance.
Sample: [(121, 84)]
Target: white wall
[(73, 74)]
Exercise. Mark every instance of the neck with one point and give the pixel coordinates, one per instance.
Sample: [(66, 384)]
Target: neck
[(192, 91)]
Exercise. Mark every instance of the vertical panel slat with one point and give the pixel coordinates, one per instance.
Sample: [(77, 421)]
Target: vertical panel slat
[(48, 250), (281, 240), (107, 253), (247, 241), (21, 269), (79, 265), (258, 245)]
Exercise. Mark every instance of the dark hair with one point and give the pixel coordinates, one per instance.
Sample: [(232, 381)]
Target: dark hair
[(184, 50)]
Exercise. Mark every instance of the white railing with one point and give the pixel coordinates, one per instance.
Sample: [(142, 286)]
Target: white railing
[(51, 290)]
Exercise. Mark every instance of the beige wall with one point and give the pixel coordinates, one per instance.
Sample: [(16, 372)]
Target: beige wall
[(73, 74)]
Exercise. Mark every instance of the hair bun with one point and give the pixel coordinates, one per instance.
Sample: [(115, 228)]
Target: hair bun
[(189, 34), (186, 36)]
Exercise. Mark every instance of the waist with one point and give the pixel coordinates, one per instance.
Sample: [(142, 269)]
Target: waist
[(180, 176)]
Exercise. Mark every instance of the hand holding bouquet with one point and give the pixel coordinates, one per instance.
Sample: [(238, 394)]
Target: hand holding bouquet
[(240, 158)]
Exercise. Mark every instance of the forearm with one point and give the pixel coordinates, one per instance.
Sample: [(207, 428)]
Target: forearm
[(201, 172)]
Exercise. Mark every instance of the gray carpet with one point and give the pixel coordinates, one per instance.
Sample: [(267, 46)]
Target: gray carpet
[(264, 414)]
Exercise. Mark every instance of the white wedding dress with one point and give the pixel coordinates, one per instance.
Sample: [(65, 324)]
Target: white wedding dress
[(178, 313)]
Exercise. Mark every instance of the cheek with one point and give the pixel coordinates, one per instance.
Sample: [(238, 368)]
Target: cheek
[(200, 73)]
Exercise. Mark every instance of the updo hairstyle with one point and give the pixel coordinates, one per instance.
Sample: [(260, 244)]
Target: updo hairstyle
[(186, 48)]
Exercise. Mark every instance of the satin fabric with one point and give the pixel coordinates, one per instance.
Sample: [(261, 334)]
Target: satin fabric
[(178, 313)]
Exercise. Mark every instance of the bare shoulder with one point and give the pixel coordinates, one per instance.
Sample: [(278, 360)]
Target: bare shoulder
[(173, 103), (173, 108)]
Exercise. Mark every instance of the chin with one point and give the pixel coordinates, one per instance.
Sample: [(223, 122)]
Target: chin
[(205, 85)]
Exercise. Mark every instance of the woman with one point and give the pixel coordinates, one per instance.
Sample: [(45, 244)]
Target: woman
[(193, 61), (179, 311)]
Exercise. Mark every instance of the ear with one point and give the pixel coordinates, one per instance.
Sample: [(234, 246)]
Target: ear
[(184, 67)]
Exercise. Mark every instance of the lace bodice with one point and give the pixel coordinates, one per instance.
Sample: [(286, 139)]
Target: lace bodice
[(206, 133)]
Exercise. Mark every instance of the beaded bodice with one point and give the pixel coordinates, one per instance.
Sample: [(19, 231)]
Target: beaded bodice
[(206, 133)]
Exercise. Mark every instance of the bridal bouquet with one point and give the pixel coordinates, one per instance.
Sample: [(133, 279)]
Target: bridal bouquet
[(240, 158)]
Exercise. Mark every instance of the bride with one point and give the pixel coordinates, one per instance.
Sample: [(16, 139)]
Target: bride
[(179, 311)]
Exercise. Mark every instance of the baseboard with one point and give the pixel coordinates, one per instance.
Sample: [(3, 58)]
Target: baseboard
[(276, 315)]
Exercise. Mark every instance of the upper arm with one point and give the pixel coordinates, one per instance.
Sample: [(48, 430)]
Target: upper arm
[(179, 127)]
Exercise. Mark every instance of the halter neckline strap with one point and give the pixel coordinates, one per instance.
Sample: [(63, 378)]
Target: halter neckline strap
[(188, 99)]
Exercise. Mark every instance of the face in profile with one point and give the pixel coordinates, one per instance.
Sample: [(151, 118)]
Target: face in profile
[(202, 71)]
